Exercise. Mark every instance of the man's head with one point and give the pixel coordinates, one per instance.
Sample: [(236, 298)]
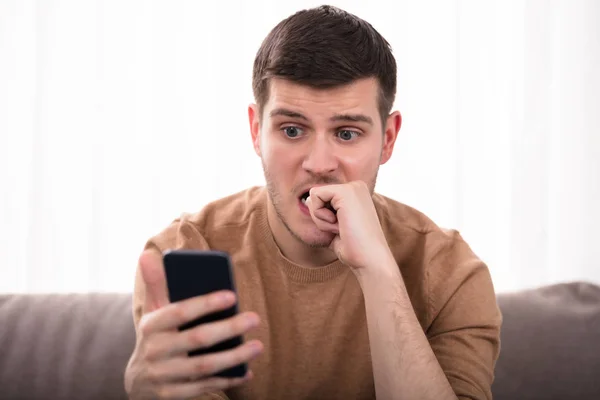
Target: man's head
[(324, 82), (325, 47)]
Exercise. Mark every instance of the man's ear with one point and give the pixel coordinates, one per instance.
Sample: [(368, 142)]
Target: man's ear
[(392, 127), (254, 119)]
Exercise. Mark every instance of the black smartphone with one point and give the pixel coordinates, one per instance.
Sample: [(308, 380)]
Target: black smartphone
[(192, 273)]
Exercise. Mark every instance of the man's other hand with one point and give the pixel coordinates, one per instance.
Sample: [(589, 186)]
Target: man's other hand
[(160, 367)]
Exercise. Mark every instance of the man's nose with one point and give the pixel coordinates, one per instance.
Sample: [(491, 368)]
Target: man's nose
[(320, 158)]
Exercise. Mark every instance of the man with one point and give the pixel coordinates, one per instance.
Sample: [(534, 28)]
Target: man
[(344, 293)]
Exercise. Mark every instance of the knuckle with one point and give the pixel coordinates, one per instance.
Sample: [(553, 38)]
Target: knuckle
[(181, 314), (204, 366), (199, 337), (151, 351)]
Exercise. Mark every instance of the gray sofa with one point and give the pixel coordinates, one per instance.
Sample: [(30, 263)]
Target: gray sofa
[(76, 346)]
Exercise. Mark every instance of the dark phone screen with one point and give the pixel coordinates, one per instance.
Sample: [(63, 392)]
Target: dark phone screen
[(192, 273)]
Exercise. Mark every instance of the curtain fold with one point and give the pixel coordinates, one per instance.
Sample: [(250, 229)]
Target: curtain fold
[(117, 116)]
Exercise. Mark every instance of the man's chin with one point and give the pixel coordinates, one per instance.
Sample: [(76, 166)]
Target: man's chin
[(316, 238)]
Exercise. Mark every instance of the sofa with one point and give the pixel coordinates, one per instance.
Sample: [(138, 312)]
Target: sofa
[(76, 346)]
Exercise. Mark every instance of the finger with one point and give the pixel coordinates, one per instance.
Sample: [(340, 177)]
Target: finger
[(328, 196), (326, 215), (319, 197), (174, 315), (187, 390), (325, 226), (153, 275), (324, 212), (321, 218), (202, 336), (330, 207), (198, 367)]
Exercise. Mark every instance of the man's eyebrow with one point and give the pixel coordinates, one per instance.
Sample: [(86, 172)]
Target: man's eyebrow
[(338, 117), (287, 113), (352, 118)]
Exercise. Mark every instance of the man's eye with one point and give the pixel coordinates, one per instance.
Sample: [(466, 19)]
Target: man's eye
[(347, 135), (292, 131)]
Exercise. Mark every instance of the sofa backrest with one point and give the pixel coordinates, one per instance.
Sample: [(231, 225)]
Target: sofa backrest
[(550, 343), (76, 346), (72, 346)]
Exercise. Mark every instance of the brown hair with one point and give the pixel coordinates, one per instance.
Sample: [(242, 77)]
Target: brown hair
[(325, 47)]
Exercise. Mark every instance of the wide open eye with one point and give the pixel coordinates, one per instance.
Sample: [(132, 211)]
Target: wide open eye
[(292, 131), (347, 134)]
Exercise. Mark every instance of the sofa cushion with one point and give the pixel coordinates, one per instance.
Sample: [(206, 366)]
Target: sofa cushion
[(550, 343), (76, 346), (64, 346)]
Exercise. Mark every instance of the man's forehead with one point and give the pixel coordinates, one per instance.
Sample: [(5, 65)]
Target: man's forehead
[(285, 86), (360, 95)]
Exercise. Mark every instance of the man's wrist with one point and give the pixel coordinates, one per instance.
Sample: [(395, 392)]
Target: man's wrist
[(383, 268)]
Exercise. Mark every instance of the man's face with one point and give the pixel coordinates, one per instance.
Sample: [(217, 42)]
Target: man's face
[(312, 137)]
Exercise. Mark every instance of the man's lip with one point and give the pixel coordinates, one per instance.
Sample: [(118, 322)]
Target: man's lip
[(304, 208)]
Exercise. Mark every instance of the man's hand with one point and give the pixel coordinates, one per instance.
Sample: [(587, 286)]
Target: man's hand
[(359, 241), (159, 367)]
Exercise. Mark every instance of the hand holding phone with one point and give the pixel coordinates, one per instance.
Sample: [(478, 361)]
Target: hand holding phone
[(161, 365), (192, 273)]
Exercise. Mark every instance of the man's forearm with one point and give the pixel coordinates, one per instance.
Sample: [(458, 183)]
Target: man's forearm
[(404, 365)]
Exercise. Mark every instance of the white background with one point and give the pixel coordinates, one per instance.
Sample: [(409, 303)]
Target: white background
[(116, 116)]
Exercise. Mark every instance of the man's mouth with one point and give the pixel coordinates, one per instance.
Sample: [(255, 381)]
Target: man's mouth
[(304, 197)]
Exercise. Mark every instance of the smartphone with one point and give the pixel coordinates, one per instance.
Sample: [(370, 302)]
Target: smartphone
[(192, 273)]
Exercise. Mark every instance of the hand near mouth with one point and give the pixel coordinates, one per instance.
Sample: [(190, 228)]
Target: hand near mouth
[(330, 208), (347, 210)]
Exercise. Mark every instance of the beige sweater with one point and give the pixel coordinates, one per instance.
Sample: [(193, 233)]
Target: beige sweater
[(313, 319)]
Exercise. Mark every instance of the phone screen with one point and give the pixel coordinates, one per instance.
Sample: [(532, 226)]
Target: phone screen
[(192, 273)]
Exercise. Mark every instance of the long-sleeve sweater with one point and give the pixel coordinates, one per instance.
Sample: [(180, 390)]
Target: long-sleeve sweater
[(313, 322)]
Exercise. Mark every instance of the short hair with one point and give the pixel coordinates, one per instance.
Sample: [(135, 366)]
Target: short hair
[(325, 47)]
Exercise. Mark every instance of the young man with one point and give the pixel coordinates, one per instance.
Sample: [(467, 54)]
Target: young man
[(345, 293)]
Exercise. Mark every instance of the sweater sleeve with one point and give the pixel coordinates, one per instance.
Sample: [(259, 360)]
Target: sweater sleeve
[(465, 319), (178, 235)]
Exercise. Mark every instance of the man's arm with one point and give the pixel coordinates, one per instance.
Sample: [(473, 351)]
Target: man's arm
[(457, 354), (404, 364), (456, 357)]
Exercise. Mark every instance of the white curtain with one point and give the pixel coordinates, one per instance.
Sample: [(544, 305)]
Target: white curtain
[(116, 116)]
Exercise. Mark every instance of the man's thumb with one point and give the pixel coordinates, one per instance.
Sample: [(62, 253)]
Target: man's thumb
[(155, 284)]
